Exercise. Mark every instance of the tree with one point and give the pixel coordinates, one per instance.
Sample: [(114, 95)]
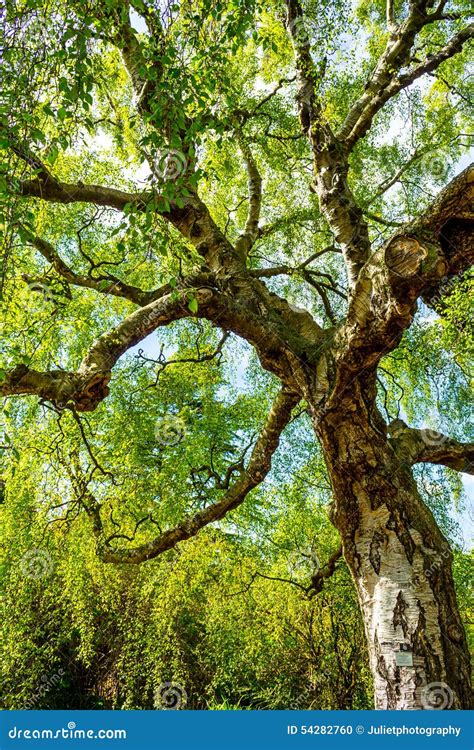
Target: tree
[(210, 96)]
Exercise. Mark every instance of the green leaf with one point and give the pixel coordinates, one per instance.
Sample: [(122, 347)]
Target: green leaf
[(193, 305)]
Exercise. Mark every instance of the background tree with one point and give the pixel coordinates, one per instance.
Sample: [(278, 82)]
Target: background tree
[(232, 166)]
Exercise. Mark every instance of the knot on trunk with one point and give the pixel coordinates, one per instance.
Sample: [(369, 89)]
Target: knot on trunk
[(85, 393), (404, 255), (93, 392)]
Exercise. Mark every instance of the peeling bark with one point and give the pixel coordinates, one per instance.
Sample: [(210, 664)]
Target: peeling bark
[(400, 563)]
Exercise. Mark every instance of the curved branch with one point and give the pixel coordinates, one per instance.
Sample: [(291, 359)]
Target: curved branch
[(258, 467), (428, 446), (86, 387), (47, 187), (105, 285), (385, 84), (191, 218), (24, 152)]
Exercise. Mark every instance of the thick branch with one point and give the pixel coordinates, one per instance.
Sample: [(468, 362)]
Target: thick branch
[(144, 74), (192, 218), (385, 81), (256, 471), (325, 572), (86, 387), (287, 333), (330, 159), (415, 262), (390, 16), (24, 152), (63, 192), (428, 446)]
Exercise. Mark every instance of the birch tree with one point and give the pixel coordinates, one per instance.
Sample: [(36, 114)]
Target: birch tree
[(253, 183)]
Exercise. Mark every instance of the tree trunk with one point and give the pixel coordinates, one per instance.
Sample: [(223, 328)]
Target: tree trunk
[(400, 563)]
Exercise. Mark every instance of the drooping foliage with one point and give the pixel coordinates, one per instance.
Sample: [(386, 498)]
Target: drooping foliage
[(163, 99)]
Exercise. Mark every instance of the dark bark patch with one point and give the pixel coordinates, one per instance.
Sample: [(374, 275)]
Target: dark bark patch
[(422, 646), (457, 242), (455, 633), (375, 557), (392, 683), (398, 523), (382, 493), (399, 618), (93, 392)]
